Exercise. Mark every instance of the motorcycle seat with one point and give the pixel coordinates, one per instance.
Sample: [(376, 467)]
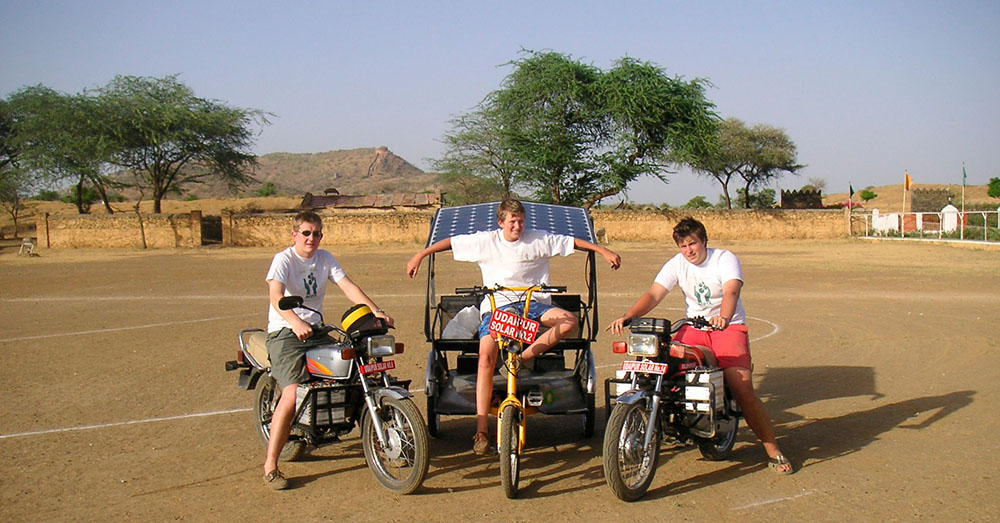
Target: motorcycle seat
[(257, 347)]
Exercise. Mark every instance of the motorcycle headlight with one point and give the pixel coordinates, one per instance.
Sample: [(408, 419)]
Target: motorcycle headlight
[(647, 345), (381, 346)]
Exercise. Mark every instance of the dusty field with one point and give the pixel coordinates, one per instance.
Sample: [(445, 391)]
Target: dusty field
[(879, 363)]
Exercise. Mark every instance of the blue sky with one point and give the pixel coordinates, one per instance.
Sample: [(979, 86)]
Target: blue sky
[(865, 89)]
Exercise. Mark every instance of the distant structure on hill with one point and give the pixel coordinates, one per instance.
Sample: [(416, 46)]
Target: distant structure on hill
[(332, 199), (801, 199)]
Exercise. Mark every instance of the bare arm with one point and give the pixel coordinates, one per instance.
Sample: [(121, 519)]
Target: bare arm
[(730, 295), (356, 295), (413, 265), (276, 291), (647, 302), (609, 255)]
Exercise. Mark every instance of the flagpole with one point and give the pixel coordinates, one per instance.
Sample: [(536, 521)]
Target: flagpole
[(962, 234)]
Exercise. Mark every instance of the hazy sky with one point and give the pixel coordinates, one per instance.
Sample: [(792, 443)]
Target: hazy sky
[(865, 89)]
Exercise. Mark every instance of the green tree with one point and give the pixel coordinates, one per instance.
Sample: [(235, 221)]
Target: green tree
[(867, 194), (61, 139), (993, 189), (764, 199), (698, 202), (268, 189), (170, 138), (475, 161), (573, 134), (757, 155)]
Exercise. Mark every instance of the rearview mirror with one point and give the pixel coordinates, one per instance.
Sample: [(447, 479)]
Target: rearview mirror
[(290, 302)]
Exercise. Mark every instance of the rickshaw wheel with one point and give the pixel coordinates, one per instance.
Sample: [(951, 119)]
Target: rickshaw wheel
[(433, 418), (510, 455)]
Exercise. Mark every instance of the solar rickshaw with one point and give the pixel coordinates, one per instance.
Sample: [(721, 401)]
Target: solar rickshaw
[(561, 381)]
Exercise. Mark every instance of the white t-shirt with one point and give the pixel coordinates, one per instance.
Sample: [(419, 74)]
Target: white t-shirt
[(519, 263), (702, 284), (304, 277)]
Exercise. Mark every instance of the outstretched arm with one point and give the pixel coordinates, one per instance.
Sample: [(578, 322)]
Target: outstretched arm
[(413, 265), (609, 255), (647, 302)]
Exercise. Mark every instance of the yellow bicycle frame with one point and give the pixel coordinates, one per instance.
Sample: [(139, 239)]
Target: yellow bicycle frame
[(513, 367)]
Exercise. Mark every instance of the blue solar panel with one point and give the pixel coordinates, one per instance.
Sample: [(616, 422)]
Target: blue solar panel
[(468, 219)]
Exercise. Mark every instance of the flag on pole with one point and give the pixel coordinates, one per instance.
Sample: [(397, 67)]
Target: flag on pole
[(850, 189), (964, 175), (907, 182)]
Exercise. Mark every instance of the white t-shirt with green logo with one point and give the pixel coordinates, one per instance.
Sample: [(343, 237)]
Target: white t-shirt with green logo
[(702, 284), (304, 277)]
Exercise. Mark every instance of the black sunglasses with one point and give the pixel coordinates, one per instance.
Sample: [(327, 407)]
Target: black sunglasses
[(318, 234)]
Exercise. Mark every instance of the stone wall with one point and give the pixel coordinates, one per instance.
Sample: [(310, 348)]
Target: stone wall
[(411, 227), (724, 225), (118, 230), (339, 228)]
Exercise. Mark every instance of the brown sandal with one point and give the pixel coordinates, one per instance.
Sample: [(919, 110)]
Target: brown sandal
[(480, 443)]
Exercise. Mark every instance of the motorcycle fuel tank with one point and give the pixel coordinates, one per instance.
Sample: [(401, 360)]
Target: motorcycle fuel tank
[(325, 361)]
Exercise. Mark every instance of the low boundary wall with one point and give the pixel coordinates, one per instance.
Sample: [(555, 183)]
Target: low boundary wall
[(407, 227)]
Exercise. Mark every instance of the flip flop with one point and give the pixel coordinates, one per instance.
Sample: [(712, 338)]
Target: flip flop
[(781, 465)]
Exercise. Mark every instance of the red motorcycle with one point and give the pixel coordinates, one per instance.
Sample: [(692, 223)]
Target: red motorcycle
[(670, 392)]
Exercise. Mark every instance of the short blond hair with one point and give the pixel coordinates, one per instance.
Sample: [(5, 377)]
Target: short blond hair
[(510, 207)]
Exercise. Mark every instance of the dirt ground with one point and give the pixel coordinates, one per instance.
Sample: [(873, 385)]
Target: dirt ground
[(879, 363)]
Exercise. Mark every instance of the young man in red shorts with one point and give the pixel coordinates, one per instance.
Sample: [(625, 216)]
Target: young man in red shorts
[(711, 280)]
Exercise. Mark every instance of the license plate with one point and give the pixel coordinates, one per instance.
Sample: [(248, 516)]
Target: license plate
[(379, 366), (513, 326), (644, 367)]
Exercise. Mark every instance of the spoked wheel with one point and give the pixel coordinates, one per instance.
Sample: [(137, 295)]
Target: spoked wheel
[(628, 466), (721, 446), (264, 403), (433, 418), (510, 452), (401, 464)]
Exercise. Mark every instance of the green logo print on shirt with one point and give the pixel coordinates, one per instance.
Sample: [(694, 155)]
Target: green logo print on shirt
[(703, 294), (310, 284)]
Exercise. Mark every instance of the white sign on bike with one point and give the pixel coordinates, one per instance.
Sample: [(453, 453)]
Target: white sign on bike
[(379, 366), (513, 326), (645, 367)]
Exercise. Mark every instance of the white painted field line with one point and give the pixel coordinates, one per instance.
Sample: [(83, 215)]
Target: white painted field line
[(261, 296), (133, 422), (773, 500), (118, 329), (121, 423)]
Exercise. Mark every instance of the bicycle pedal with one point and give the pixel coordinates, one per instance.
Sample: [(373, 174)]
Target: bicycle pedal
[(535, 398)]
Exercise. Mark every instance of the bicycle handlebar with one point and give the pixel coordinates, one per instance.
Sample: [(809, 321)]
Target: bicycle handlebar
[(480, 290)]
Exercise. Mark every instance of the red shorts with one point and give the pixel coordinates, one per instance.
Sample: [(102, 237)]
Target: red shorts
[(731, 346)]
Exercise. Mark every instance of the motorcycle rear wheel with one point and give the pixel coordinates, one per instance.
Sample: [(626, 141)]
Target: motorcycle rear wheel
[(401, 465), (263, 404), (629, 468), (721, 446), (510, 451)]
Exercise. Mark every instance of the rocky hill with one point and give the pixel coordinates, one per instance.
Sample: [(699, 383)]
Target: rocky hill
[(353, 171)]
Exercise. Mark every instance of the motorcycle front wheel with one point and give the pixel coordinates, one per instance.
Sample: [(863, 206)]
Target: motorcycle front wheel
[(628, 466), (264, 402), (401, 463), (510, 451)]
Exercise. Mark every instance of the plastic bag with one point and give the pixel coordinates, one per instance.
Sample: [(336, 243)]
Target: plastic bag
[(464, 326)]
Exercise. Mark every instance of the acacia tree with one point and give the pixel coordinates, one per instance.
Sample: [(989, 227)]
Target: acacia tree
[(575, 134), (650, 123), (60, 139), (475, 166), (757, 155), (170, 137)]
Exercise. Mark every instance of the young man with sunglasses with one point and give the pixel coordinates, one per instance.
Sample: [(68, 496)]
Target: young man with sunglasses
[(300, 270)]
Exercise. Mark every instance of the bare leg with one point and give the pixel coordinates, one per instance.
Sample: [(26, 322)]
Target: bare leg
[(560, 323), (484, 381), (740, 384), (281, 426)]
